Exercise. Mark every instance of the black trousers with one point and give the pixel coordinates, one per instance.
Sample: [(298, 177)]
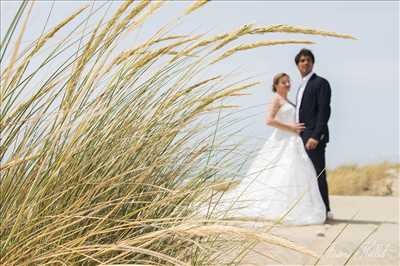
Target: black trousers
[(317, 157)]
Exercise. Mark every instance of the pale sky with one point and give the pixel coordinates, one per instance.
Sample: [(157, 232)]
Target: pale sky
[(364, 74)]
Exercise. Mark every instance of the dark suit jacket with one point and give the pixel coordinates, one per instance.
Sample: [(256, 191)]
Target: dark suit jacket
[(315, 109)]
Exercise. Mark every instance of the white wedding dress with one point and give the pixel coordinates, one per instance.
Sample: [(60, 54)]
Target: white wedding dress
[(280, 182)]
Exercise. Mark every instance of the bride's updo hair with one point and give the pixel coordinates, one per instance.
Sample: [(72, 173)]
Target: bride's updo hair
[(276, 79)]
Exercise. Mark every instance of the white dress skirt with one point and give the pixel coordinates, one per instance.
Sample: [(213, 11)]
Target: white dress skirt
[(281, 182)]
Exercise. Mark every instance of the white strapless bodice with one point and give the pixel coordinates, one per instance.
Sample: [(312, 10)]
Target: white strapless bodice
[(287, 115)]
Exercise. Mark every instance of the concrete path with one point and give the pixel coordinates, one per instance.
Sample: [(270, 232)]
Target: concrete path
[(371, 237)]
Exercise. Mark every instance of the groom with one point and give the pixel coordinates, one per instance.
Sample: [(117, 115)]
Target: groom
[(313, 109)]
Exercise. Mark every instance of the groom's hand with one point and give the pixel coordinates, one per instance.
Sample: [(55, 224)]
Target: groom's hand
[(311, 144)]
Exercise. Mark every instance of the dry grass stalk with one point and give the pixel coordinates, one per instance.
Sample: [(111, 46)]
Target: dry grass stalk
[(200, 44), (249, 29), (249, 46), (123, 7), (161, 51), (196, 5), (51, 33), (227, 230), (77, 72), (7, 72), (126, 54), (152, 9), (14, 162), (282, 28), (6, 120), (40, 44), (135, 11), (243, 30)]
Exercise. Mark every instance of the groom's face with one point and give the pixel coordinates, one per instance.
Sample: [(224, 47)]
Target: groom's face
[(305, 65)]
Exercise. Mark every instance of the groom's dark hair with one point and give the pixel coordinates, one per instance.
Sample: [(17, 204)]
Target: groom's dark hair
[(304, 52)]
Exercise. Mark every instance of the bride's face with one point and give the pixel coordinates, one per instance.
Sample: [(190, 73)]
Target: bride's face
[(283, 84)]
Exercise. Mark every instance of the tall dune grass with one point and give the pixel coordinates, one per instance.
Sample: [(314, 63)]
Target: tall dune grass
[(106, 155), (371, 179)]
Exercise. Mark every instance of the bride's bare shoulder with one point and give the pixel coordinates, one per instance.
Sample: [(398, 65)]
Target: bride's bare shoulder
[(274, 104), (276, 101)]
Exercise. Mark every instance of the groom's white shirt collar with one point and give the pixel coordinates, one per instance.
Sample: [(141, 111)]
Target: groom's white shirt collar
[(308, 76), (302, 87)]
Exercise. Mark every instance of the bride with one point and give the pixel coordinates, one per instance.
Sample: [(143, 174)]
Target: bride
[(281, 182)]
